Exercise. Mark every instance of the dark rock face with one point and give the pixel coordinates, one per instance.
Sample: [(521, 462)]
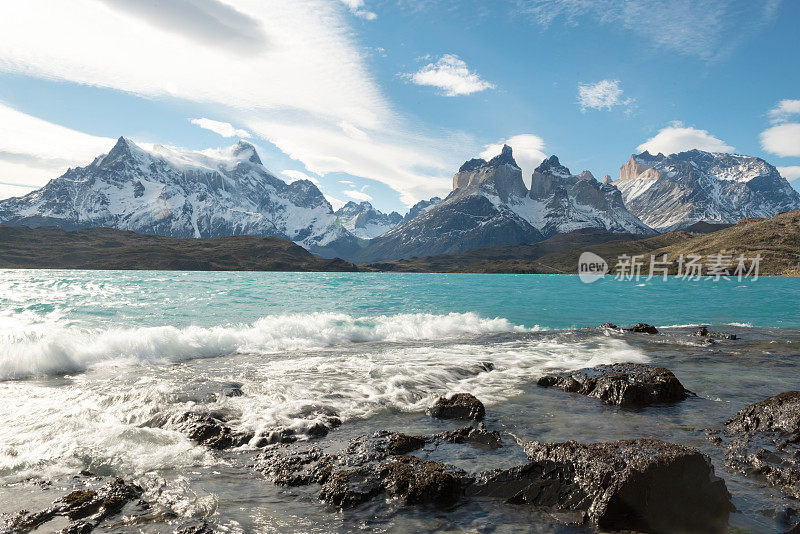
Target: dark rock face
[(766, 441), (85, 508), (421, 482), (703, 331), (459, 406), (629, 385), (645, 485), (210, 431), (643, 328), (612, 326), (470, 434)]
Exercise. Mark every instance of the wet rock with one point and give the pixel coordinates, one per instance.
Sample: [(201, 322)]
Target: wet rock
[(458, 406), (766, 441), (469, 434), (202, 528), (85, 508), (630, 385), (419, 481), (296, 468), (643, 328), (642, 485), (612, 326), (403, 443), (210, 431), (351, 487), (703, 331)]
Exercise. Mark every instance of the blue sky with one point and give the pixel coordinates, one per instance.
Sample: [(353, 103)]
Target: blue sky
[(382, 100)]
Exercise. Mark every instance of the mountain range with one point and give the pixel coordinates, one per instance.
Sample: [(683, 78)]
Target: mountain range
[(213, 193)]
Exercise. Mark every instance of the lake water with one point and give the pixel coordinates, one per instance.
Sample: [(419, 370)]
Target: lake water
[(95, 366)]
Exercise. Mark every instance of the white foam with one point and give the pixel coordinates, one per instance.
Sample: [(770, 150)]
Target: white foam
[(63, 350)]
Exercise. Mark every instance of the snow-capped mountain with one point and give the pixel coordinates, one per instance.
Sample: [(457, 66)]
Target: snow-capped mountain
[(560, 202), (421, 207), (174, 193), (675, 191), (490, 205), (364, 221)]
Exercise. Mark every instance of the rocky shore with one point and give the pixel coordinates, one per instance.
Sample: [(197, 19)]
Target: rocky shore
[(640, 484)]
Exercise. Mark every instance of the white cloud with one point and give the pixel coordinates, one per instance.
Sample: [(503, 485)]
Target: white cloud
[(790, 173), (335, 202), (329, 114), (34, 151), (707, 29), (604, 94), (526, 148), (225, 129), (782, 140), (784, 111), (347, 182), (452, 75), (679, 138), (356, 7), (294, 175), (357, 195)]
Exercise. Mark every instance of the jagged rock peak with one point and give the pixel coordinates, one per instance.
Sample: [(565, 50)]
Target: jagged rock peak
[(586, 175), (244, 150), (553, 167), (471, 165), (504, 158), (606, 179)]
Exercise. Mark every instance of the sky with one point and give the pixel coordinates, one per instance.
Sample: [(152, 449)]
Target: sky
[(383, 100)]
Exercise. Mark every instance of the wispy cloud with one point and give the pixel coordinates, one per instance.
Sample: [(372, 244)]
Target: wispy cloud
[(704, 28), (605, 94), (33, 151), (784, 110), (357, 8), (357, 195), (225, 129), (295, 175), (678, 138), (330, 115), (452, 75)]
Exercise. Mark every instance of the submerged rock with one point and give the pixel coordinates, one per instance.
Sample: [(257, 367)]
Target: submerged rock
[(643, 485), (623, 384), (469, 434), (766, 441), (643, 328), (703, 331), (84, 508), (458, 406)]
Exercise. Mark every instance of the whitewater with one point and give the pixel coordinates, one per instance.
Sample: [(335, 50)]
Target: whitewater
[(97, 368)]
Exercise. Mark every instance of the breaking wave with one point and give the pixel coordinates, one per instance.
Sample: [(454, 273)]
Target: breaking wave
[(66, 350)]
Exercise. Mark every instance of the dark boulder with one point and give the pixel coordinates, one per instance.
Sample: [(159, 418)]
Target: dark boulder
[(642, 328), (350, 487), (418, 481), (210, 431), (470, 434), (459, 406), (642, 485), (630, 385), (612, 326), (765, 441)]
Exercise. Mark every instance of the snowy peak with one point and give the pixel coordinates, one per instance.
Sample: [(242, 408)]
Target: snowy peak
[(167, 191), (364, 221), (552, 167), (245, 151), (676, 191)]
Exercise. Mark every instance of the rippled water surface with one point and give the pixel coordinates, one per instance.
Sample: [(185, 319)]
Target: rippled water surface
[(96, 366)]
